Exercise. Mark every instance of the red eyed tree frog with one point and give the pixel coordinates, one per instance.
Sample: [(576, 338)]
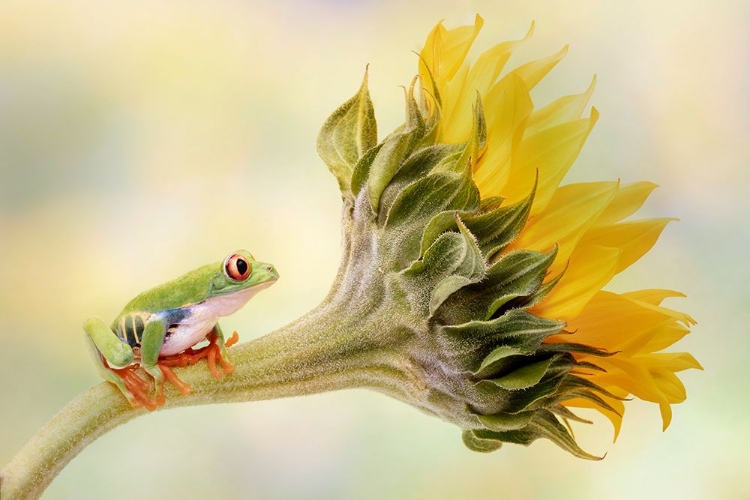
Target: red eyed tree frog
[(168, 320)]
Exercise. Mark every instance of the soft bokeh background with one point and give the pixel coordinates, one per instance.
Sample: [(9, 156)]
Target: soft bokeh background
[(141, 139)]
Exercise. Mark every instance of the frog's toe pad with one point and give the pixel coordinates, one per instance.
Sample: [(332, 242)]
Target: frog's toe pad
[(232, 340)]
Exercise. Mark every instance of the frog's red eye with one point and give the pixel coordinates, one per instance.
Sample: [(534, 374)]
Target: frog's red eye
[(237, 267)]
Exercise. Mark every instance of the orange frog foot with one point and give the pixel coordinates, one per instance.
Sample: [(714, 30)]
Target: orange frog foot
[(139, 387), (211, 352)]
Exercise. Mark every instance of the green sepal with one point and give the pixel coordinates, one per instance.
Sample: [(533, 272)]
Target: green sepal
[(496, 229), (536, 396), (517, 274), (453, 261), (539, 294), (500, 354), (420, 164), (437, 192), (491, 203), (544, 424), (347, 134), (440, 260), (589, 396), (471, 269), (431, 127), (564, 412), (362, 169), (506, 421), (405, 187), (575, 383), (396, 148), (442, 222), (477, 137), (469, 344), (523, 377), (590, 366), (578, 348), (479, 443)]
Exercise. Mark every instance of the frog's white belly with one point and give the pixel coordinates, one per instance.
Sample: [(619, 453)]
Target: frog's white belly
[(186, 334), (202, 317)]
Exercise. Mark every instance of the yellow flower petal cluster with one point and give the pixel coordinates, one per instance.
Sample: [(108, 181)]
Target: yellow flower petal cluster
[(584, 220)]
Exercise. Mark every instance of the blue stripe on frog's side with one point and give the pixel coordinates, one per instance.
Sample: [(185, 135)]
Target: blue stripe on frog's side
[(129, 327)]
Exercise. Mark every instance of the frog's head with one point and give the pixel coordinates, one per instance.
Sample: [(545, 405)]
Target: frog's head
[(242, 276)]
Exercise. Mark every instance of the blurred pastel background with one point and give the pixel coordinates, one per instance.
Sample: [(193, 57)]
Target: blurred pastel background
[(139, 140)]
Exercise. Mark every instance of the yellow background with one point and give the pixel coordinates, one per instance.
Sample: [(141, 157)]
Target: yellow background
[(141, 139)]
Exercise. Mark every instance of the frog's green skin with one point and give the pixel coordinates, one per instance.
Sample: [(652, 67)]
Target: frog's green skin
[(174, 316)]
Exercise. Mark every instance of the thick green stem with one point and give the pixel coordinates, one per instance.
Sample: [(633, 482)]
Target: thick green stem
[(322, 351)]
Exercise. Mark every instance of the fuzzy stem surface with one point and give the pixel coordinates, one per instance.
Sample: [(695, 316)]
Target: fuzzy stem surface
[(324, 350)]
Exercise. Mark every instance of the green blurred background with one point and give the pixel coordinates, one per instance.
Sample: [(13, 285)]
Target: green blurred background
[(139, 140)]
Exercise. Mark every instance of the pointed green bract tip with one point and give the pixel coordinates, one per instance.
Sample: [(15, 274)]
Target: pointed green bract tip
[(348, 134)]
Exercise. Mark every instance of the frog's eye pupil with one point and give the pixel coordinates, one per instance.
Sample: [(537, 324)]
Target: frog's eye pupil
[(241, 266)]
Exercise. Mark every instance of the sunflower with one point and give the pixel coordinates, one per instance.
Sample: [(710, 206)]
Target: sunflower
[(525, 147)]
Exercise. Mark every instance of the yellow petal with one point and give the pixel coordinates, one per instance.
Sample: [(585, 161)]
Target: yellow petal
[(653, 296), (686, 319), (626, 202), (676, 361), (461, 92), (611, 321), (565, 219), (532, 72), (665, 337), (666, 414), (485, 71), (510, 106), (670, 385), (632, 377), (564, 109), (633, 238), (455, 125), (637, 343), (615, 418), (445, 50), (550, 152), (588, 271)]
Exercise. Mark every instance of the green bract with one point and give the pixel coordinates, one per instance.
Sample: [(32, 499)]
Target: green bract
[(425, 277)]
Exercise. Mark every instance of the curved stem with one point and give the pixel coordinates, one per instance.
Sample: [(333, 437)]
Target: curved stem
[(322, 351)]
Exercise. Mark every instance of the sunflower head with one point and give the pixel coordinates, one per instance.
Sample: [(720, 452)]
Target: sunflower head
[(480, 276)]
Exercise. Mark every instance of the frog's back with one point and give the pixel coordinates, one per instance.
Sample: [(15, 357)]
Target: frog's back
[(173, 298), (187, 290)]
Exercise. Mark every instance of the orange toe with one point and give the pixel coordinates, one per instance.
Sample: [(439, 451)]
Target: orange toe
[(174, 379), (232, 340), (137, 387)]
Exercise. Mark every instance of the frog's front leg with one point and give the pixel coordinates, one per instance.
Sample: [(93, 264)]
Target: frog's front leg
[(104, 344), (151, 344), (222, 351)]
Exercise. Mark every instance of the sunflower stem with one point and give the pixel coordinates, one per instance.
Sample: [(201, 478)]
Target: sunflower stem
[(322, 351)]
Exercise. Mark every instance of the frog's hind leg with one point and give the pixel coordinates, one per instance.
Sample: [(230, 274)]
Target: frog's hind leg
[(109, 375), (213, 352)]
